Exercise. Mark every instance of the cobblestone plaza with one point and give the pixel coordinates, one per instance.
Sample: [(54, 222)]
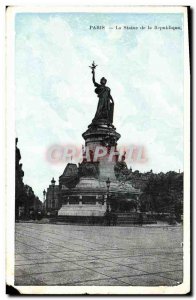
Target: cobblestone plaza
[(71, 255)]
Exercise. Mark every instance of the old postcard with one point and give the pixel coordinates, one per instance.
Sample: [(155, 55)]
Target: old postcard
[(98, 143)]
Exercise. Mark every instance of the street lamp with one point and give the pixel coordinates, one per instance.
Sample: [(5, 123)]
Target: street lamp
[(27, 202), (108, 187), (53, 185), (45, 203), (44, 194)]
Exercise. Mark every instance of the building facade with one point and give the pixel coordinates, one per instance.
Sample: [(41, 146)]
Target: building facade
[(51, 204)]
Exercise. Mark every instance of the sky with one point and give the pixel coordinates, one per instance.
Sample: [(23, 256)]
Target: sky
[(55, 99)]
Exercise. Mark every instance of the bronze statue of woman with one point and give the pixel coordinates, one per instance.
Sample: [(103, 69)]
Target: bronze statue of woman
[(105, 105)]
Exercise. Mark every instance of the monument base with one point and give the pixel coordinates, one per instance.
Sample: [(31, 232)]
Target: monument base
[(121, 219), (83, 220), (134, 218), (81, 210), (82, 213)]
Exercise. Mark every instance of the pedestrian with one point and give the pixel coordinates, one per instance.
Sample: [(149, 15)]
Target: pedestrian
[(107, 218), (114, 219), (140, 219)]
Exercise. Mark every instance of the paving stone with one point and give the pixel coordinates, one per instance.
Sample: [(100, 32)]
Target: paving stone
[(19, 271), (19, 257), (95, 263), (155, 268), (102, 282), (72, 256), (68, 277), (37, 261), (27, 280), (37, 256), (120, 271), (177, 275), (122, 260), (45, 268), (178, 264), (148, 280)]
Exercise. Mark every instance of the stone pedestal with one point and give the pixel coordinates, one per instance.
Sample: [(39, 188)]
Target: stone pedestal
[(83, 189), (81, 210), (104, 136)]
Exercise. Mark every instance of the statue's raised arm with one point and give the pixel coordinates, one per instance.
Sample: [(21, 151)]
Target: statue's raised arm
[(95, 83), (93, 67)]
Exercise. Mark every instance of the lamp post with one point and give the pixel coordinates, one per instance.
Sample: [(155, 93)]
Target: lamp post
[(27, 203), (53, 185), (44, 196), (108, 187)]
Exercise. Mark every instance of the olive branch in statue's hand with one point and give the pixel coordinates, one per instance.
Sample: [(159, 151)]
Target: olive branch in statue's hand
[(93, 67)]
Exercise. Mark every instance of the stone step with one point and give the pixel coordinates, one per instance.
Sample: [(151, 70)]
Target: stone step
[(134, 218), (135, 222), (81, 219), (100, 220)]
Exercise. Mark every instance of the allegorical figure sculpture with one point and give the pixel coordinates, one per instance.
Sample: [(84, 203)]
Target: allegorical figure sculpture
[(105, 105)]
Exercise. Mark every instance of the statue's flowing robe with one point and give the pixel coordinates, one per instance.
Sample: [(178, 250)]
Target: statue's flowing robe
[(104, 106)]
